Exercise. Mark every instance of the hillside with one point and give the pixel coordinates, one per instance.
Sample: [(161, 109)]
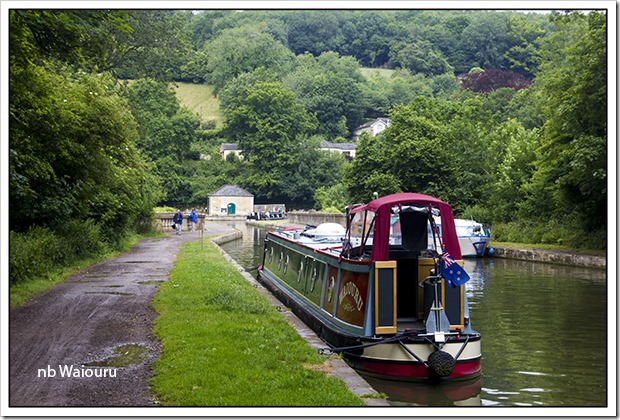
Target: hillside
[(200, 99), (370, 71)]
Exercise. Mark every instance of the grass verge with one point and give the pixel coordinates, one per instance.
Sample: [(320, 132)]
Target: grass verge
[(224, 344)]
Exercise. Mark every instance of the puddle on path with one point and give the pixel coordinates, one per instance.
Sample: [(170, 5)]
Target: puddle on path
[(139, 262), (126, 355), (108, 293)]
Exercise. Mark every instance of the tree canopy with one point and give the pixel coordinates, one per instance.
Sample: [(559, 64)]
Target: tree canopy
[(501, 113)]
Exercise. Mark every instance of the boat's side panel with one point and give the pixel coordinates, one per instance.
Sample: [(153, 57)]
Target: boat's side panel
[(331, 293), (303, 273), (352, 297), (336, 294)]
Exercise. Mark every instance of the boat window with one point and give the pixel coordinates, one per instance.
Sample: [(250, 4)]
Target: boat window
[(360, 234), (411, 229)]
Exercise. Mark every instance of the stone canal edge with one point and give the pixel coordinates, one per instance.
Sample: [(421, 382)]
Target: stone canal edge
[(337, 366)]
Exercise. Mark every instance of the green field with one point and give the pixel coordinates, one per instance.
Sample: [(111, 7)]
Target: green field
[(199, 99), (368, 72)]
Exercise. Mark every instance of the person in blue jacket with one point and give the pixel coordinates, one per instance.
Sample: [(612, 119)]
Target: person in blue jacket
[(193, 218), (177, 219)]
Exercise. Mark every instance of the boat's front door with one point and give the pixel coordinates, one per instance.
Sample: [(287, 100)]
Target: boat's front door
[(385, 297)]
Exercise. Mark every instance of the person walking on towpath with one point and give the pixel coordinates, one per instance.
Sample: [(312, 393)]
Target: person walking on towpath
[(177, 219), (193, 218)]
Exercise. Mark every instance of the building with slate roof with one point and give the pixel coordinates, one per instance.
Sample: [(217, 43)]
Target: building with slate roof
[(372, 128), (230, 200), (346, 149)]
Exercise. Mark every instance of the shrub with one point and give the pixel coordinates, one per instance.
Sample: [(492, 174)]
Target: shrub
[(31, 253), (40, 250)]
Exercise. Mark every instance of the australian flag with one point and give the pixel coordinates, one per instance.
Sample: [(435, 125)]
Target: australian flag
[(454, 274)]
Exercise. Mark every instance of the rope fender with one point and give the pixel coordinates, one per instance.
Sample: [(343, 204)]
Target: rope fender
[(440, 362)]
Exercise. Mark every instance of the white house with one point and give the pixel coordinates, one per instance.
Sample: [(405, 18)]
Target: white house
[(228, 148), (346, 149), (372, 128)]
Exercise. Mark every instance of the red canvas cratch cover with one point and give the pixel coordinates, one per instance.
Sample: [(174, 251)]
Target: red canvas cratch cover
[(381, 207)]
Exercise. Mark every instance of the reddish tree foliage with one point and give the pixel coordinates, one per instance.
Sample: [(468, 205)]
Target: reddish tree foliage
[(493, 79)]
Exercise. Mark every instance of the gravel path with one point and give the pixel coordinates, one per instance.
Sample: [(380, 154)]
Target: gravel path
[(56, 335)]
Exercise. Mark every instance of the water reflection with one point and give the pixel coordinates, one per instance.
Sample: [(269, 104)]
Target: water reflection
[(458, 393), (544, 334)]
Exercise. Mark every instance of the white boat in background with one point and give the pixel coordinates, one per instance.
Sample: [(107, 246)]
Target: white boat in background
[(473, 237)]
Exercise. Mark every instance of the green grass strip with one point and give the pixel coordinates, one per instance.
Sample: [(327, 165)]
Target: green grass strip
[(224, 344)]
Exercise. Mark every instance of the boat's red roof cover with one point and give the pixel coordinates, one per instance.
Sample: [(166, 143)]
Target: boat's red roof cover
[(399, 198), (381, 206)]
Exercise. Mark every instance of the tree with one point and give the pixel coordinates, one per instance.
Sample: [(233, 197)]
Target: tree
[(484, 42), (330, 87), (525, 34), (167, 132), (513, 172), (314, 31), (419, 153), (493, 79), (156, 46), (371, 170), (571, 169), (421, 57), (72, 154), (332, 199), (266, 122), (382, 93), (242, 50)]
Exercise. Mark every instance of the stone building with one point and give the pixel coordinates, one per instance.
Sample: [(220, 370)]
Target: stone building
[(230, 200)]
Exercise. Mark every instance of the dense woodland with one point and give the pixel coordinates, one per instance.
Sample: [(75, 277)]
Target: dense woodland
[(502, 114)]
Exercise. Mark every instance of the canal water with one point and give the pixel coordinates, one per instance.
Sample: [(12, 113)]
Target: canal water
[(544, 334)]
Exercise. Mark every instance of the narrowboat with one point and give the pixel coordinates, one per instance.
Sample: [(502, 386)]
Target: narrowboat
[(382, 292)]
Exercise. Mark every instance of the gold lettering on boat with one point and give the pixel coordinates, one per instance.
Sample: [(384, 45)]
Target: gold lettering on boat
[(350, 289)]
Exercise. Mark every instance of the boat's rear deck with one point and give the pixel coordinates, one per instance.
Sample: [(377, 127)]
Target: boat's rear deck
[(409, 323)]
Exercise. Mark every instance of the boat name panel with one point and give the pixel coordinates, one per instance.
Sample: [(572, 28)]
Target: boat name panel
[(352, 298)]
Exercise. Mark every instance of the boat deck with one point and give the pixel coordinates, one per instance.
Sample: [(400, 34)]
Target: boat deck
[(412, 323)]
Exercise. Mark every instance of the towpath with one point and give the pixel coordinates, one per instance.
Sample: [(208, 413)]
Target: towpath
[(86, 319)]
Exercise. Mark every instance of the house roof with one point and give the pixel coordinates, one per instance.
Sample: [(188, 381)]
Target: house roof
[(342, 146), (230, 191), (228, 146), (383, 120)]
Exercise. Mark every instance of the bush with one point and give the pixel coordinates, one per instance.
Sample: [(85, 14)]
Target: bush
[(40, 250), (31, 253), (552, 233)]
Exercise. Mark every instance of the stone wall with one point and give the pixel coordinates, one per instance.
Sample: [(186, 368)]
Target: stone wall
[(315, 218), (551, 256), (164, 221)]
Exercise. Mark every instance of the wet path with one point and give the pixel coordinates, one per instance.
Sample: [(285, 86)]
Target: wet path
[(66, 344)]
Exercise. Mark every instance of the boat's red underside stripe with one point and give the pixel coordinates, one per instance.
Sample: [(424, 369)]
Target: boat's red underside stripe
[(414, 370)]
